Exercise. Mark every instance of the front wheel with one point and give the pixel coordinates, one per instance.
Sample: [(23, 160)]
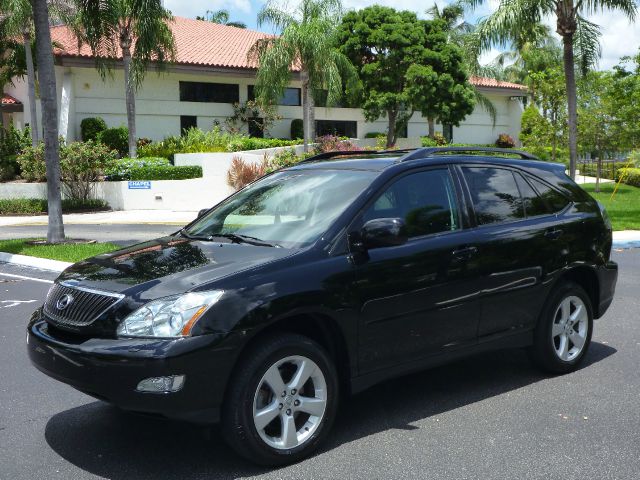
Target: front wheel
[(282, 401), (563, 334)]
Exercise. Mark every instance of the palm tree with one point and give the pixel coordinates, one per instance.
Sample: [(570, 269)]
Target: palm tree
[(48, 96), (17, 21), (307, 43), (139, 29), (222, 17), (576, 32)]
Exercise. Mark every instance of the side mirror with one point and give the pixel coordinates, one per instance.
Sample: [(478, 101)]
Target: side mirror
[(202, 212), (383, 232)]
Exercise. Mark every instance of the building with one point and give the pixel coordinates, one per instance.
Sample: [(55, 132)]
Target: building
[(211, 73)]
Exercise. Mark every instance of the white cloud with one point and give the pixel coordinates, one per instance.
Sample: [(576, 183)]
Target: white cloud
[(191, 8)]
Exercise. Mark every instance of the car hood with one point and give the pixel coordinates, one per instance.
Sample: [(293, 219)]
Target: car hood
[(168, 266)]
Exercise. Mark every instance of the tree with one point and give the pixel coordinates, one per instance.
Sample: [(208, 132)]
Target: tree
[(462, 34), (17, 21), (306, 42), (48, 95), (551, 96), (383, 44), (622, 98), (222, 17), (439, 87), (577, 34), (139, 29)]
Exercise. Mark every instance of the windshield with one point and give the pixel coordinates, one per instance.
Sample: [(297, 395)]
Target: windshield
[(290, 209)]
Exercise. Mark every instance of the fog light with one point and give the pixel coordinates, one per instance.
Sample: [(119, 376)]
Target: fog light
[(161, 384)]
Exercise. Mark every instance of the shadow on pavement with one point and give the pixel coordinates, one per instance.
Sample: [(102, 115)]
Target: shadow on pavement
[(104, 441)]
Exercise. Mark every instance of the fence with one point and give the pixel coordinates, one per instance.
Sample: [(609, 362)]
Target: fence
[(608, 168)]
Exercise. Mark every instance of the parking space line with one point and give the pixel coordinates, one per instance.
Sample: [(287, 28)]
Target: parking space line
[(22, 277)]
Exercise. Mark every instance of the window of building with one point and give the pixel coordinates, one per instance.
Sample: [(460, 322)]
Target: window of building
[(426, 201), (209, 92), (187, 122), (494, 194), (341, 128), (256, 127), (292, 96)]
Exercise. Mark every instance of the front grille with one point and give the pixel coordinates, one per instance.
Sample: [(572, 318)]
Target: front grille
[(69, 305)]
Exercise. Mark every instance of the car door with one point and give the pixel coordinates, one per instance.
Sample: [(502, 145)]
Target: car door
[(514, 251), (419, 298)]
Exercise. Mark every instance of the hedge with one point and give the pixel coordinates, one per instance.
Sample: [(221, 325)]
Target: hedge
[(158, 172), (630, 176), (27, 206), (251, 143)]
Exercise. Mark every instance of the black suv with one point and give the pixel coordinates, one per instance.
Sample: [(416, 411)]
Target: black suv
[(326, 278)]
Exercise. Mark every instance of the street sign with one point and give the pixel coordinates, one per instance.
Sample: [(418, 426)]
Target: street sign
[(139, 185)]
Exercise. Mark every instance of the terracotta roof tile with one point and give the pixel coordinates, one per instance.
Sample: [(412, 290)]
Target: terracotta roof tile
[(493, 83), (9, 100), (197, 43), (213, 45)]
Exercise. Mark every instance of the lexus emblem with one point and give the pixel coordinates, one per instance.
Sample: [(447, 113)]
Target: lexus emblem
[(64, 301)]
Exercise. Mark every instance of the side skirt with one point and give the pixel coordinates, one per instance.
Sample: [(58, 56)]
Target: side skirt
[(514, 340)]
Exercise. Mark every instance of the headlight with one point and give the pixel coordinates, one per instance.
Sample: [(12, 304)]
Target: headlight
[(170, 316)]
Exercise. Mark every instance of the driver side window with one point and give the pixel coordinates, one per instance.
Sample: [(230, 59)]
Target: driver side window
[(426, 201)]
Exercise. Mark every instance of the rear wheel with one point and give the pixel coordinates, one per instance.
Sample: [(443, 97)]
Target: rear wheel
[(563, 334), (282, 400)]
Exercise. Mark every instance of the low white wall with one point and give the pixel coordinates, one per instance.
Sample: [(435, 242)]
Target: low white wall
[(180, 195)]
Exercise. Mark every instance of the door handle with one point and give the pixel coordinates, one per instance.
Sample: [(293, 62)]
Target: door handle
[(553, 233), (465, 253)]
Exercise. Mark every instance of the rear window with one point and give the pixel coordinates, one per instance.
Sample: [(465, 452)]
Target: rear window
[(494, 194), (534, 204), (554, 199)]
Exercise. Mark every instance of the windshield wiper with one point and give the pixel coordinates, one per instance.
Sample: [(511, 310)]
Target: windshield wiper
[(234, 237), (238, 238)]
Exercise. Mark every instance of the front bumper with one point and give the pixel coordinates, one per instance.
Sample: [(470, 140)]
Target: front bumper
[(607, 279), (110, 369)]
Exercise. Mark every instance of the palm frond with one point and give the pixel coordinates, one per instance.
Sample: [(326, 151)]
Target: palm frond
[(586, 44), (487, 106)]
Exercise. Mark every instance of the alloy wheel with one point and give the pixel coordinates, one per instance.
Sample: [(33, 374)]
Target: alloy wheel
[(290, 402), (570, 328)]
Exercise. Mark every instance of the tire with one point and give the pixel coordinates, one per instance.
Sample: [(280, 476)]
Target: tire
[(273, 428), (556, 346)]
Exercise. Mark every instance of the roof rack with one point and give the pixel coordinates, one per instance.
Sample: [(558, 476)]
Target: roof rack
[(328, 155), (431, 151), (417, 153)]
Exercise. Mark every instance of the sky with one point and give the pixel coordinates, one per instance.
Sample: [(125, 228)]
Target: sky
[(619, 37)]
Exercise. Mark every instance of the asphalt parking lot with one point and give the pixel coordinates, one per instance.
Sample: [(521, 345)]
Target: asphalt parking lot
[(489, 417)]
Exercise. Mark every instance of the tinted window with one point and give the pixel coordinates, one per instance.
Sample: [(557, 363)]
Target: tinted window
[(554, 199), (340, 128), (534, 205), (291, 97), (494, 194), (209, 92), (187, 122), (425, 200)]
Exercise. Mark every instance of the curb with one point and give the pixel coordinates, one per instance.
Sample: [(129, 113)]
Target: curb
[(26, 261)]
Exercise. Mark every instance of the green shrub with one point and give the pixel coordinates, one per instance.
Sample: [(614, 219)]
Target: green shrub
[(166, 148), (116, 139), (91, 127), (81, 164), (12, 143), (283, 159), (630, 176), (32, 165), (428, 142), (545, 153), (158, 172), (31, 206), (297, 128), (374, 135), (241, 143), (122, 167)]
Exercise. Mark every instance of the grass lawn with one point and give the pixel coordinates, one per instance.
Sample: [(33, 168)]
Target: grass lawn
[(624, 208), (64, 252)]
